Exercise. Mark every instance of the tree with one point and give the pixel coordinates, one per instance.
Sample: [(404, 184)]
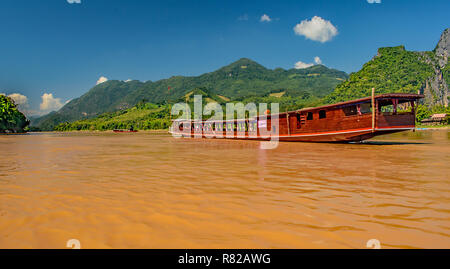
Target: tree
[(11, 119)]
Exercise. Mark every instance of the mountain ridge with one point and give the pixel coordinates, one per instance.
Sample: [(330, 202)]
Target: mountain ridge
[(234, 81)]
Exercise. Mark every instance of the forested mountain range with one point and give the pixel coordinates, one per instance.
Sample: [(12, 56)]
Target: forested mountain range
[(242, 79)]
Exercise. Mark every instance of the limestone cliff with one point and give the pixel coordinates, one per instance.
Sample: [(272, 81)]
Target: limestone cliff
[(436, 87)]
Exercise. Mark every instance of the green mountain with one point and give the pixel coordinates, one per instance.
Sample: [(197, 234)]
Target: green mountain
[(241, 79), (11, 119), (149, 116), (143, 116), (395, 69)]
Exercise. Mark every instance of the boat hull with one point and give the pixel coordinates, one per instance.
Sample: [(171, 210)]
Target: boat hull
[(355, 135)]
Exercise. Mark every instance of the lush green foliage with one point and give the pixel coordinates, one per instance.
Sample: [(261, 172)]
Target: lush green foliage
[(446, 74), (392, 70), (11, 119), (239, 80), (424, 112), (143, 116)]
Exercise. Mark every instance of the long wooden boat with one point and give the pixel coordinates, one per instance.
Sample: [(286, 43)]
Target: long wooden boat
[(341, 122)]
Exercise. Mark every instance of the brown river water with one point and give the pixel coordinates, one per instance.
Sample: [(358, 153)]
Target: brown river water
[(150, 190)]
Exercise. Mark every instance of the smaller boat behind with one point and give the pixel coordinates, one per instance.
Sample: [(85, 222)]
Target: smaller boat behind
[(125, 131)]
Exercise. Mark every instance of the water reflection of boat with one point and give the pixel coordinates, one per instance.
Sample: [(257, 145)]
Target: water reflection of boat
[(342, 122)]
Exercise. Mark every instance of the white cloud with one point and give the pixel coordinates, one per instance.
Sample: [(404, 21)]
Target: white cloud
[(316, 29), (302, 65), (265, 18), (19, 99), (74, 1), (101, 80), (128, 80), (374, 1), (317, 60), (50, 103)]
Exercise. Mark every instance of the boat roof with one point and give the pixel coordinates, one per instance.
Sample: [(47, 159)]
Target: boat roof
[(407, 96)]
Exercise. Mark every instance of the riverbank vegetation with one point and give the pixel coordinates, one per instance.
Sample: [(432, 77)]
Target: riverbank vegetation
[(11, 119), (143, 116), (425, 112)]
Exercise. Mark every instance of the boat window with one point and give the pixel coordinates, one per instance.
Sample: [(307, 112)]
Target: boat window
[(387, 108), (309, 116), (322, 114), (350, 110), (365, 108), (299, 121)]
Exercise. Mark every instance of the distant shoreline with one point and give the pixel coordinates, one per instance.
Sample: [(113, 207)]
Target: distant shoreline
[(106, 131)]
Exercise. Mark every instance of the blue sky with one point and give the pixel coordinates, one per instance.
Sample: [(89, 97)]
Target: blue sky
[(60, 49)]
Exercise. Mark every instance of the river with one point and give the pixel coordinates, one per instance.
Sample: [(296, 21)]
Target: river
[(149, 190)]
